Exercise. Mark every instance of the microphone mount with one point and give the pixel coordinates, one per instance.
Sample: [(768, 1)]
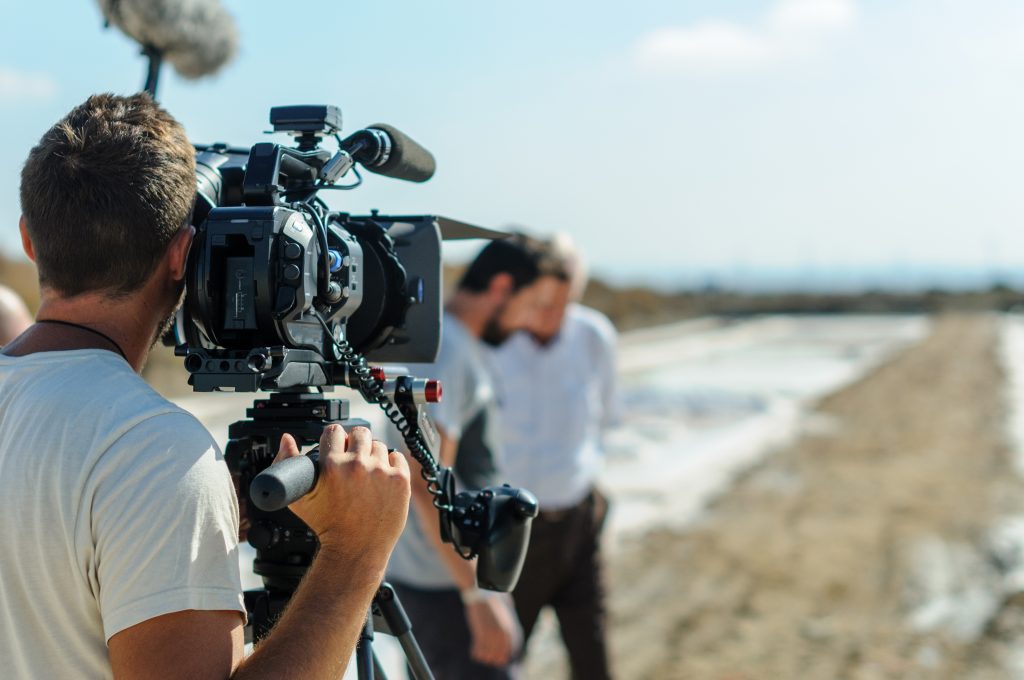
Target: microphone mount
[(371, 147), (155, 61)]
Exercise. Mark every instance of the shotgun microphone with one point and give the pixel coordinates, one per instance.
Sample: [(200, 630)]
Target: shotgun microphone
[(387, 151)]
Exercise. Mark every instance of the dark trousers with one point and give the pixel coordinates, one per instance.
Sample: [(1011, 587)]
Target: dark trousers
[(439, 626), (563, 570)]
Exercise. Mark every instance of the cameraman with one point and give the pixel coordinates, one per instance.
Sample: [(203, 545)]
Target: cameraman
[(118, 546), (466, 632)]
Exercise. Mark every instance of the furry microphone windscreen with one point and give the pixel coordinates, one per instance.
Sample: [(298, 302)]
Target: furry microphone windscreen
[(197, 37)]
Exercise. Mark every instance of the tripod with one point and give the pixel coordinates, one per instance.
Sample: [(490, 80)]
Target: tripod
[(285, 546)]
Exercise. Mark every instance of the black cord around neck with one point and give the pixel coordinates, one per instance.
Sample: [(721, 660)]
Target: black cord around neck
[(80, 327)]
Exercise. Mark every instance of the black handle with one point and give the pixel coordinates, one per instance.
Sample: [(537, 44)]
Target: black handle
[(283, 483)]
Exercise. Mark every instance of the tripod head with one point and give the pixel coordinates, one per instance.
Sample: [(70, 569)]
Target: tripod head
[(492, 524)]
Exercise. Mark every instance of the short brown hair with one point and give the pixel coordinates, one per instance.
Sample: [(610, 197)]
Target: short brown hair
[(104, 192), (517, 255)]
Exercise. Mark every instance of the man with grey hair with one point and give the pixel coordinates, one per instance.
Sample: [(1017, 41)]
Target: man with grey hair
[(466, 632), (557, 389)]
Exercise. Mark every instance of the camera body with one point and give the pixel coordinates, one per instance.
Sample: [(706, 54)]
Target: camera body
[(276, 281)]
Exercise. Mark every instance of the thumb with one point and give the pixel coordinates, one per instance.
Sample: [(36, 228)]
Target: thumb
[(288, 448)]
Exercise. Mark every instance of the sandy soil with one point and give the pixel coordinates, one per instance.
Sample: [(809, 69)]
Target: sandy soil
[(863, 551)]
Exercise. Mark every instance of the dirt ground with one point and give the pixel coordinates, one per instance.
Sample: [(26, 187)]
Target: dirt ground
[(862, 551)]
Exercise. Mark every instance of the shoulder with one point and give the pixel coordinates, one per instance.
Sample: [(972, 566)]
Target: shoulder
[(145, 412), (169, 444), (592, 325), (517, 348), (164, 463), (461, 354), (103, 385), (100, 398), (150, 435), (166, 419)]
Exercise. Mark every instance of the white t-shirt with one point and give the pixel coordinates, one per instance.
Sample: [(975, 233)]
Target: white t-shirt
[(555, 403), (117, 507)]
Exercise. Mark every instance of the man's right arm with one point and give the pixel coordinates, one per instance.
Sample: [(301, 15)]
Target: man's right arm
[(357, 509), (492, 625)]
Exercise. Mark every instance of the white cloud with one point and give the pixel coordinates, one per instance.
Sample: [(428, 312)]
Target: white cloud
[(713, 42), (811, 16), (16, 86), (792, 28)]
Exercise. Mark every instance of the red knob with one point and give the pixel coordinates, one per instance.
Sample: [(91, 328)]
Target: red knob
[(433, 392)]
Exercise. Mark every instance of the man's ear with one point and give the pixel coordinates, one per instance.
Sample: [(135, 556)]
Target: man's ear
[(26, 242), (177, 252), (501, 285)]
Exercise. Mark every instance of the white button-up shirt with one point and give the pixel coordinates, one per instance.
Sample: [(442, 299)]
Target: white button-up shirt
[(555, 402)]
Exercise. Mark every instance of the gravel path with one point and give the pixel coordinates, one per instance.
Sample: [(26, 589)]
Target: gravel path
[(866, 550)]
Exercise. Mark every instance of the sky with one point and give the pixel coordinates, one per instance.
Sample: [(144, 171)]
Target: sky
[(675, 141)]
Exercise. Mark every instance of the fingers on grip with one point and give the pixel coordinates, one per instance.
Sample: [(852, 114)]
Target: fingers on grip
[(360, 441), (333, 440), (287, 449)]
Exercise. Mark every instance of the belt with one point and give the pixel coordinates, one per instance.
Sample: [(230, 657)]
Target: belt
[(560, 514), (555, 515)]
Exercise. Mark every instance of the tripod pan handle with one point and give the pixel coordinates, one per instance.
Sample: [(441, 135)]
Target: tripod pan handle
[(283, 483)]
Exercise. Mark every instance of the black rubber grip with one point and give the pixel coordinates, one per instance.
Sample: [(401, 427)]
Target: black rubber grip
[(283, 483)]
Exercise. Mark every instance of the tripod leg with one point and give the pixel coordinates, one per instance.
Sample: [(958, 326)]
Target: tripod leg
[(400, 626), (366, 660), (417, 664), (378, 669)]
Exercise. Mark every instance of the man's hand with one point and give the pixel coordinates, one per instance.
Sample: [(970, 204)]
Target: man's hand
[(494, 630), (357, 509), (361, 499)]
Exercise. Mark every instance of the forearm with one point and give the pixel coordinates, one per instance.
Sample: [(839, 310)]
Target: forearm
[(317, 633)]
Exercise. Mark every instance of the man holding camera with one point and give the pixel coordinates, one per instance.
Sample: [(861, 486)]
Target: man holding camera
[(118, 546), (557, 389), (466, 632)]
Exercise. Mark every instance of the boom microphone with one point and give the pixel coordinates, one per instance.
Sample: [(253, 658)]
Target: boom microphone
[(386, 151), (196, 36)]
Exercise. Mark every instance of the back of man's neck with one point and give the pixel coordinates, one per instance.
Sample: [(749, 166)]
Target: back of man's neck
[(107, 325), (36, 339)]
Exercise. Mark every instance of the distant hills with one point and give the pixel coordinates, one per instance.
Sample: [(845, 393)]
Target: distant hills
[(632, 306), (636, 306)]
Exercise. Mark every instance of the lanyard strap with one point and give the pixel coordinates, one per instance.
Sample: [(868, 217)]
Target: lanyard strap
[(86, 328)]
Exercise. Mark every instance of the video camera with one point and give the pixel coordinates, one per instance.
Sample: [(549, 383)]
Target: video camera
[(276, 281), (285, 295)]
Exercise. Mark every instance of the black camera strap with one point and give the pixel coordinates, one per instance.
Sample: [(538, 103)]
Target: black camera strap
[(80, 327)]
